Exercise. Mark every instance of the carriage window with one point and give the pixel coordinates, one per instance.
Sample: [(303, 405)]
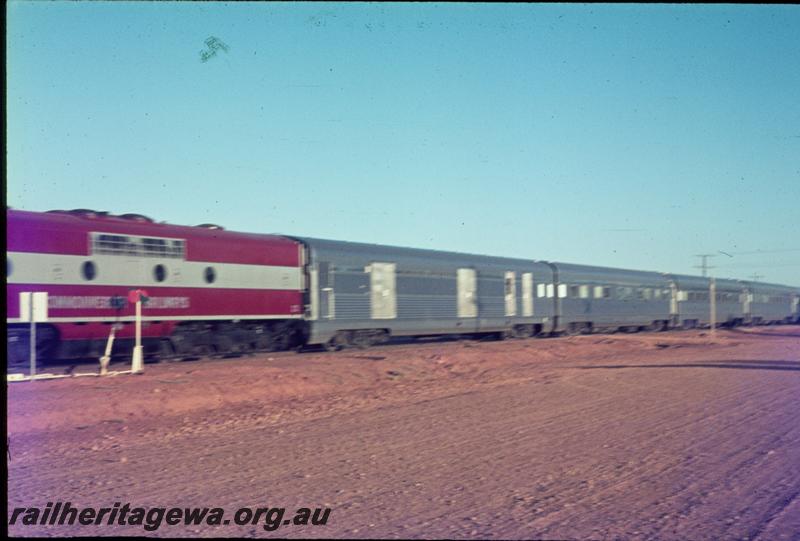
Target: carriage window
[(624, 293), (574, 291), (584, 292), (540, 290), (550, 290), (598, 292), (562, 291)]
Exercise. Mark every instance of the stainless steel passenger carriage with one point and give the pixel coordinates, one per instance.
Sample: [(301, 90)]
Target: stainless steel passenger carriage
[(364, 293), (604, 298), (771, 303)]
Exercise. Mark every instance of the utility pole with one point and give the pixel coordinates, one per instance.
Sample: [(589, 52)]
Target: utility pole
[(712, 295), (704, 263), (755, 276)]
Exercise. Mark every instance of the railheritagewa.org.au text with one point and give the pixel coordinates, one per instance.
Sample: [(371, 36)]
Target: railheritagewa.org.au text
[(153, 518)]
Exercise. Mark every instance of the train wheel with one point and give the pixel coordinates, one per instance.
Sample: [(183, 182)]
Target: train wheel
[(19, 343), (523, 331), (338, 342), (18, 354), (279, 342), (166, 349), (572, 329), (367, 338)]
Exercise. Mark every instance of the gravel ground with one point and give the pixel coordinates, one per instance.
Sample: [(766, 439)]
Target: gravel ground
[(639, 436)]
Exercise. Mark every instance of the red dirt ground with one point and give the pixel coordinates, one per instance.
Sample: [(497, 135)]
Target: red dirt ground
[(645, 436)]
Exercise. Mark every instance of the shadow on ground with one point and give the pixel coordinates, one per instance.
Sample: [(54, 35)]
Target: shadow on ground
[(735, 364), (755, 333)]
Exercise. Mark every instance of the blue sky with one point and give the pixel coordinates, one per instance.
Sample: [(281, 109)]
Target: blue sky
[(632, 136)]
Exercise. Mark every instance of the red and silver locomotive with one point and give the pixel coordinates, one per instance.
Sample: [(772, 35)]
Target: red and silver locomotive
[(211, 291)]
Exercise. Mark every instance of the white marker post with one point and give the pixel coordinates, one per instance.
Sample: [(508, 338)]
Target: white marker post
[(33, 308), (137, 364)]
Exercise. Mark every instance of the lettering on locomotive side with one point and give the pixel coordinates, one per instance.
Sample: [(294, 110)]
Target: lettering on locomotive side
[(99, 301)]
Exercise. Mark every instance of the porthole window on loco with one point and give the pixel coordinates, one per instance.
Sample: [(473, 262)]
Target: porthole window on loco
[(89, 270), (210, 275), (160, 273)]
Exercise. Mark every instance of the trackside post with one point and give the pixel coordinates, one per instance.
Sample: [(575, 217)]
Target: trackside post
[(33, 308), (106, 359), (137, 363), (713, 295), (33, 344)]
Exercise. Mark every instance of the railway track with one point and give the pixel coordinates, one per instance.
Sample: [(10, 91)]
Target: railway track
[(122, 362)]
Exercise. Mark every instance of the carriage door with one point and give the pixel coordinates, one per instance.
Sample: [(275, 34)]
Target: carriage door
[(527, 294), (467, 299), (673, 301), (748, 303), (511, 293), (383, 293), (327, 305)]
